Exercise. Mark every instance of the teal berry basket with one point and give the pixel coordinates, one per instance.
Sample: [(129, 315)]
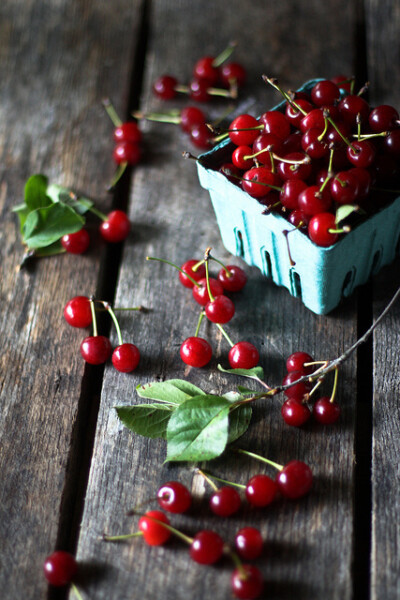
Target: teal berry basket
[(320, 277)]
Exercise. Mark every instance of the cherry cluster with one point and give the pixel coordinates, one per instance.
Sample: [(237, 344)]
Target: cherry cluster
[(210, 293), (96, 349), (114, 228), (328, 148), (295, 410)]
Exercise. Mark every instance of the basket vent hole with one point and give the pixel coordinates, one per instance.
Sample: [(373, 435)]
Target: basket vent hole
[(398, 245), (267, 264), (347, 286), (239, 243), (295, 284), (376, 261)]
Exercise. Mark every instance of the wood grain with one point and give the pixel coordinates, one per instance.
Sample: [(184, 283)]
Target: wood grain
[(58, 59), (173, 219)]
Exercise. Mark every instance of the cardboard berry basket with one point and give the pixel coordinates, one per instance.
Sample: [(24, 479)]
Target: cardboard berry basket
[(320, 277)]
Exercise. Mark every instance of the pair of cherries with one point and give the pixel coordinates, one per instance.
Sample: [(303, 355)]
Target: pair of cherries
[(114, 228)]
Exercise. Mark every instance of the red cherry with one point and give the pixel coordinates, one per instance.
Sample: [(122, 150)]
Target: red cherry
[(325, 92), (276, 122), (249, 543), (77, 312), (351, 106), (294, 115), (325, 411), (116, 228), (200, 292), (205, 69), (201, 136), (235, 280), (344, 187), (383, 118), (233, 73), (207, 547), (225, 501), (60, 568), (361, 154), (191, 116), (126, 152), (198, 274), (198, 90), (257, 181), (295, 413), (247, 582), (313, 201), (290, 192), (125, 358), (128, 132), (244, 122), (154, 533), (343, 82), (240, 157), (319, 229), (164, 87), (220, 310), (76, 243), (174, 497), (96, 349), (301, 170), (261, 490), (298, 390), (243, 355), (196, 352), (295, 479), (296, 361)]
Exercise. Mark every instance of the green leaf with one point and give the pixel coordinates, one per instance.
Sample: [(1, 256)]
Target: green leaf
[(35, 192), (45, 226), (255, 373), (239, 421), (344, 211), (198, 429), (244, 390), (149, 420), (172, 391), (58, 193), (51, 250)]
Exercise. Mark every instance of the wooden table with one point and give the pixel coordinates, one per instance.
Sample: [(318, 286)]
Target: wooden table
[(69, 470)]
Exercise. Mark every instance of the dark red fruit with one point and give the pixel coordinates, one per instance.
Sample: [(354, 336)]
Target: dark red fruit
[(383, 118), (361, 154), (77, 312), (296, 170), (201, 136), (116, 228), (225, 501), (60, 568), (325, 93), (76, 243), (128, 132), (296, 361), (96, 349), (191, 116), (249, 543), (298, 390), (207, 547), (313, 201), (204, 69), (261, 490), (257, 181), (235, 280), (164, 87), (154, 533), (233, 73), (125, 358), (295, 479), (275, 122), (126, 152), (247, 582), (320, 229), (196, 352), (351, 106), (174, 497), (200, 292), (325, 411), (220, 310), (198, 274), (243, 355), (247, 123), (295, 413)]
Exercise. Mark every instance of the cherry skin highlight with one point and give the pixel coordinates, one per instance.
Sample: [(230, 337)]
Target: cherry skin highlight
[(295, 479), (325, 411), (235, 281), (225, 501)]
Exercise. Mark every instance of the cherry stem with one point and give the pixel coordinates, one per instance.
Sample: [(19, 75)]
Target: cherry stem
[(239, 485), (176, 532), (367, 136), (201, 317), (197, 265), (94, 321), (274, 83), (346, 141), (121, 538), (334, 389), (238, 564), (206, 255), (98, 213), (112, 113), (314, 389), (208, 479), (325, 182), (76, 591), (117, 175), (273, 187), (211, 90), (168, 262), (169, 117), (261, 458), (224, 55), (226, 336), (114, 318), (321, 136), (227, 271), (344, 229)]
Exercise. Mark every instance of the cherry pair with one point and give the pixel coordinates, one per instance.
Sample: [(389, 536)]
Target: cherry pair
[(115, 227)]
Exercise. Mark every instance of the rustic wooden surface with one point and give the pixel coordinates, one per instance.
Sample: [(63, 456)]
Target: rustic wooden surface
[(69, 470)]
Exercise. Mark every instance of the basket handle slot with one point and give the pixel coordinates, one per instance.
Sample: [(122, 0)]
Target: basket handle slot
[(295, 284), (267, 264), (348, 282), (239, 243), (376, 261)]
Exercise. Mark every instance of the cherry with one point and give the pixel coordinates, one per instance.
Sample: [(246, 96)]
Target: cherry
[(298, 390), (164, 87), (125, 358), (199, 90), (247, 582), (76, 243), (294, 479), (200, 292), (225, 501), (96, 349), (290, 192), (251, 128), (174, 497), (116, 227), (196, 352), (242, 157), (363, 180), (60, 568), (220, 310), (299, 168), (312, 145), (343, 82), (198, 274), (276, 122), (234, 280), (243, 355), (298, 219), (351, 106), (313, 120), (325, 92), (154, 533), (249, 543), (205, 69), (201, 136), (126, 152), (294, 115), (231, 172), (344, 187), (296, 361), (392, 143), (128, 132), (207, 547), (191, 116), (233, 73), (361, 153), (295, 413), (257, 181), (313, 200), (319, 229), (261, 490), (263, 145), (383, 118), (325, 411), (77, 312)]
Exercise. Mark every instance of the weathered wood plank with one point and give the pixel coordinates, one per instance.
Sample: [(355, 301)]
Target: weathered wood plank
[(306, 541), (57, 61)]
